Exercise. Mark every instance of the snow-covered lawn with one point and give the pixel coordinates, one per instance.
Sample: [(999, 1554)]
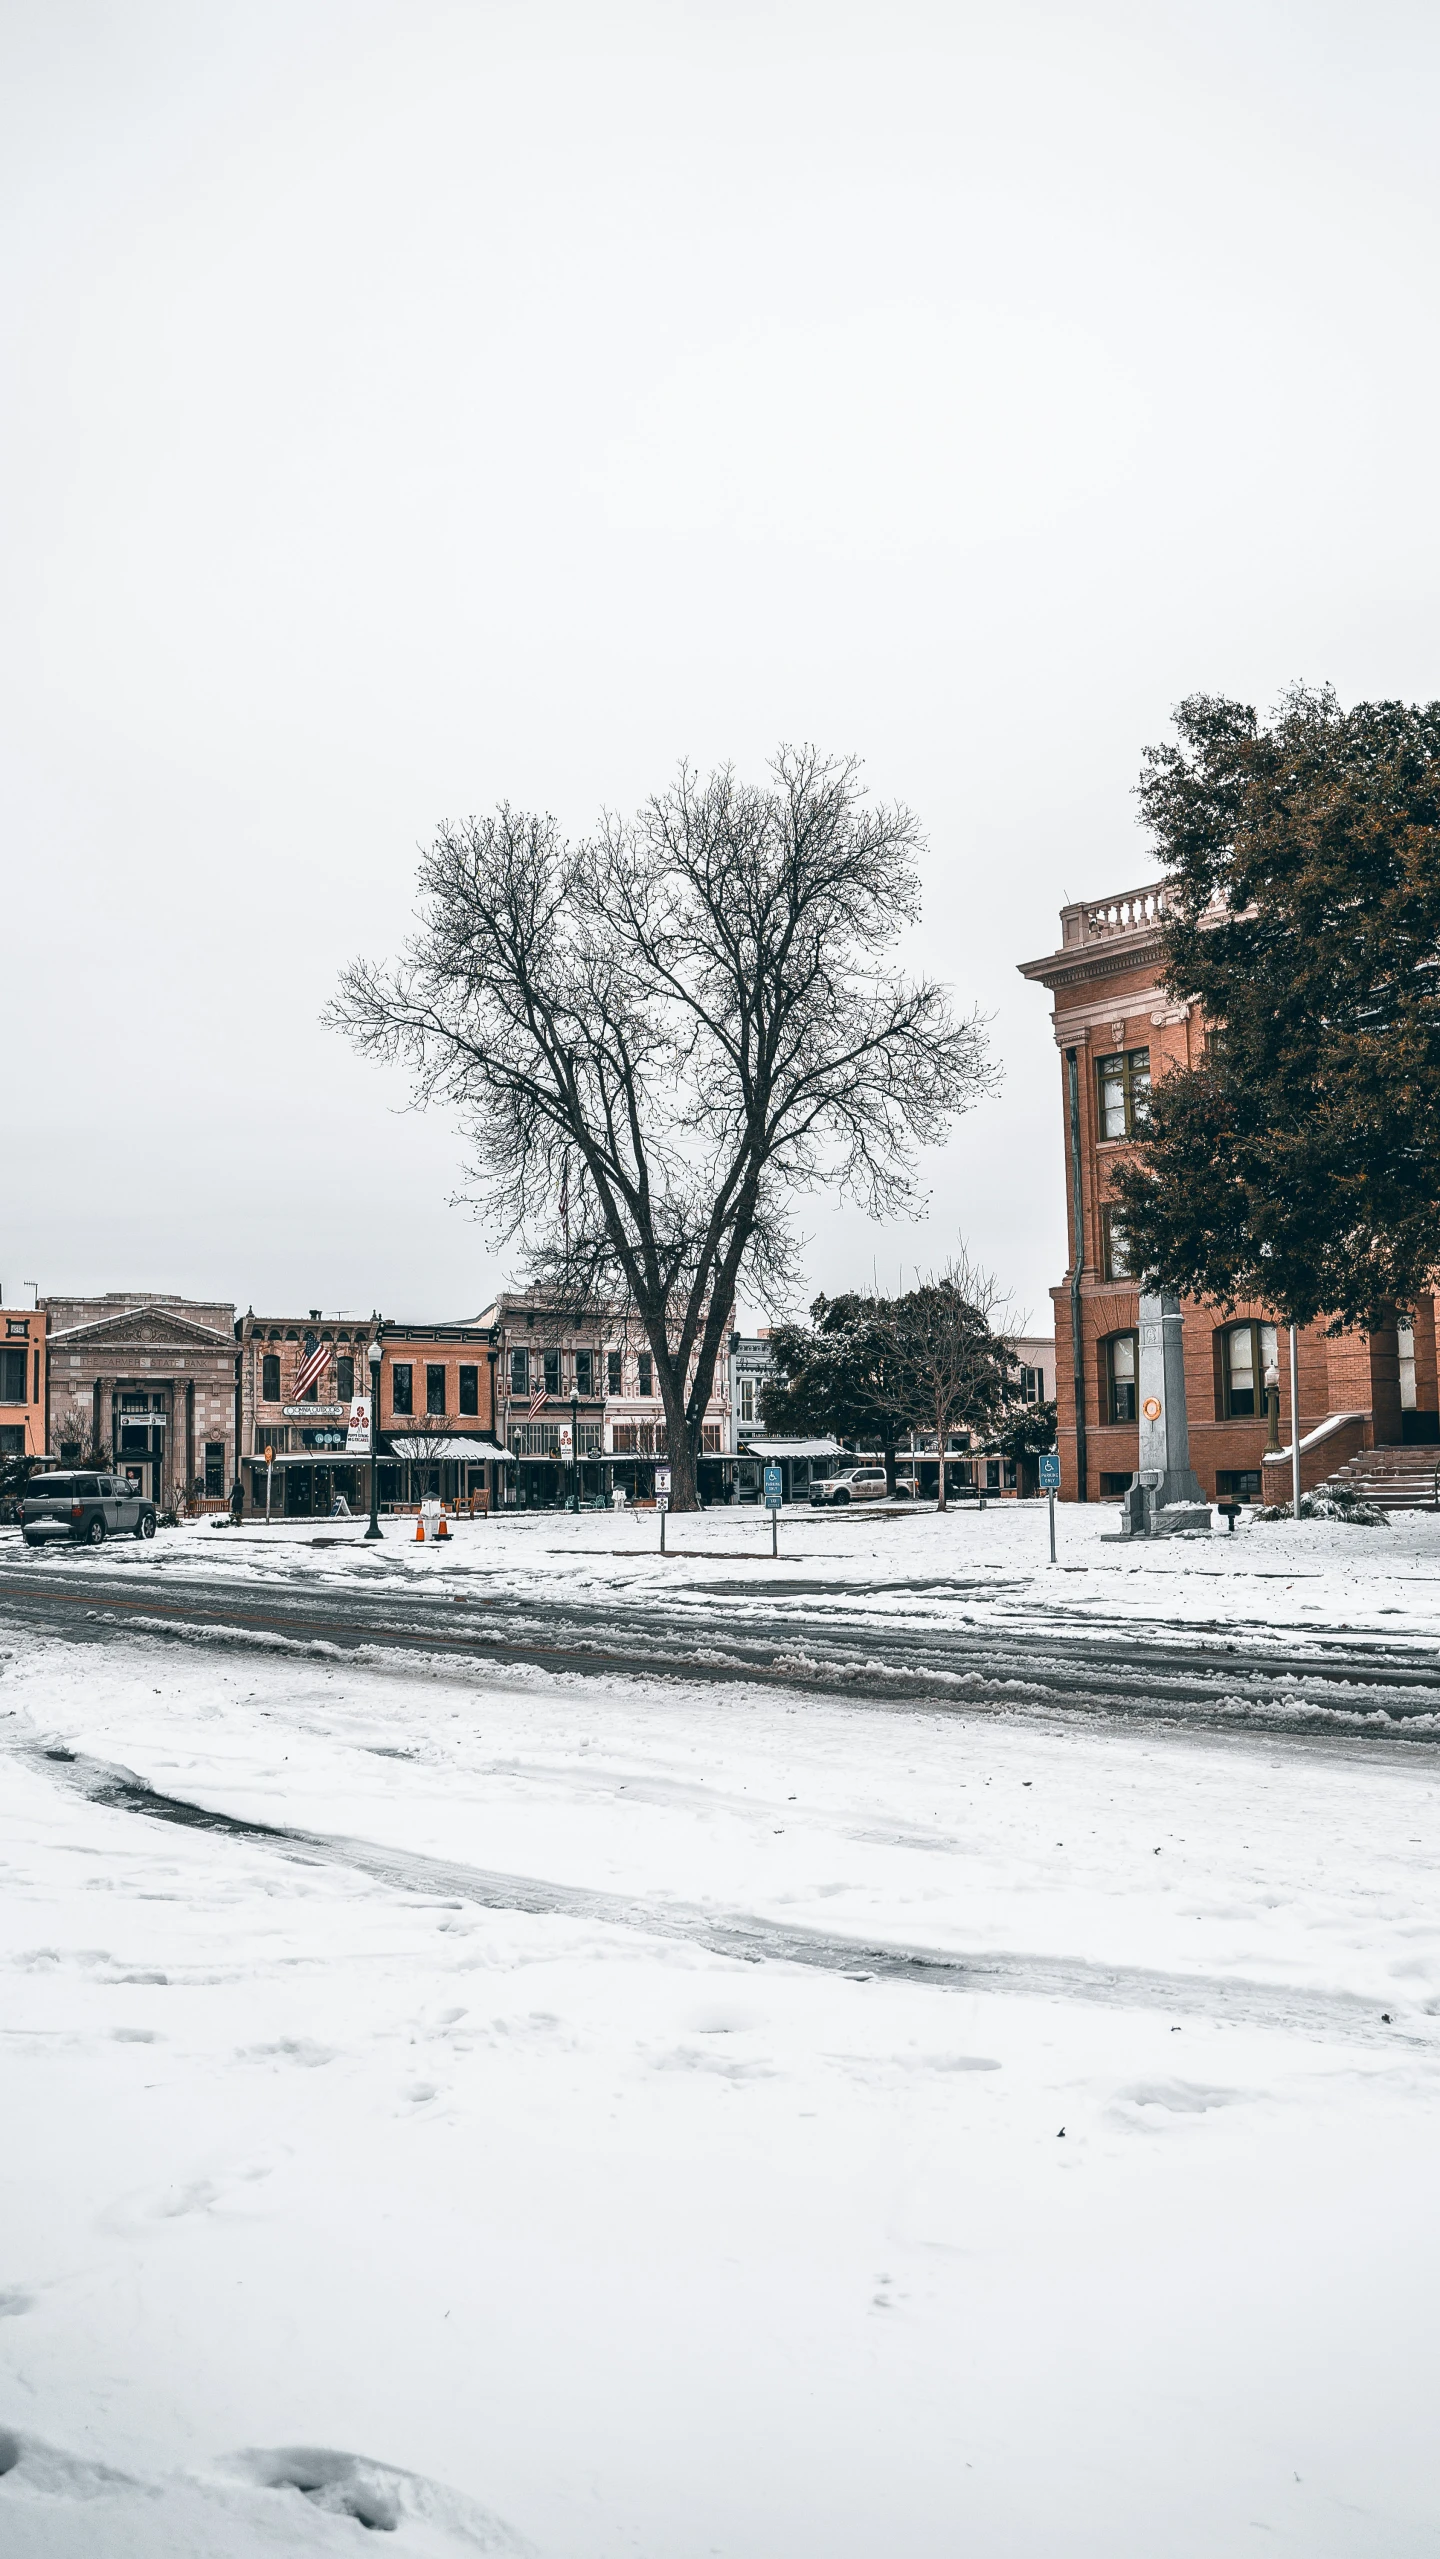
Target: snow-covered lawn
[(1126, 2245)]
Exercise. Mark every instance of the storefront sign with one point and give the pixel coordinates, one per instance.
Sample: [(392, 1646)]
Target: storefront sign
[(357, 1436), (314, 1412), (322, 1439)]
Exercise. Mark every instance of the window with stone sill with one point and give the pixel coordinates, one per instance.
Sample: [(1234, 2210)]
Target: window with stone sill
[(1246, 1352), (1121, 1373), (1114, 1250), (1123, 1092)]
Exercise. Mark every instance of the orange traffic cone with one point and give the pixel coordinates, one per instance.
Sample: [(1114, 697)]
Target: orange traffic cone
[(442, 1528), (419, 1528)]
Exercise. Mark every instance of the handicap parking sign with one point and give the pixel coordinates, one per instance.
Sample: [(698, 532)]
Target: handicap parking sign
[(774, 1496), (1050, 1471)]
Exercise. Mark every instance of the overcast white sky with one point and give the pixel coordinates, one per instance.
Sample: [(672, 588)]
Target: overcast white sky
[(410, 405)]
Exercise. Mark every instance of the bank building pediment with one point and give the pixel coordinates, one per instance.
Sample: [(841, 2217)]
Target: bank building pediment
[(160, 1330)]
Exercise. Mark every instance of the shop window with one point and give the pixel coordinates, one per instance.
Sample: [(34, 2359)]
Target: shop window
[(1246, 1352), (552, 1371), (344, 1377), (710, 1438), (435, 1388), (214, 1469), (270, 1378), (12, 1376), (469, 1390), (614, 1371), (646, 1368), (584, 1372), (402, 1387), (1238, 1484), (12, 1439), (1121, 1373), (1124, 1092), (519, 1372), (272, 1435), (1114, 1250)]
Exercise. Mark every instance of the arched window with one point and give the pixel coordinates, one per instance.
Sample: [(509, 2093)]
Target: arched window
[(1121, 1373), (1246, 1352)]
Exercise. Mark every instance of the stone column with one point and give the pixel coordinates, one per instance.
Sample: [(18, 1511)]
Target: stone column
[(1164, 1472)]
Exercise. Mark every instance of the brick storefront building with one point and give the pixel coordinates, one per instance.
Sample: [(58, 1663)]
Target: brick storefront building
[(24, 1380), (435, 1419), (1117, 1030)]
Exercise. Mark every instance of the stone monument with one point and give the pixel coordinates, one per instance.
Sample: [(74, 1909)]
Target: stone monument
[(1165, 1499)]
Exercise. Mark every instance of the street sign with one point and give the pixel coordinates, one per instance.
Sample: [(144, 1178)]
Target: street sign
[(662, 1483), (662, 1501), (357, 1433), (774, 1490), (1050, 1470)]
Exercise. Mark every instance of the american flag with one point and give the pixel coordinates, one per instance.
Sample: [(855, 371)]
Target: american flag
[(316, 1354), (537, 1392)]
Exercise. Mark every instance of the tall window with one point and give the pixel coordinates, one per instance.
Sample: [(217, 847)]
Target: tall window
[(745, 1389), (469, 1390), (1122, 1370), (614, 1371), (552, 1371), (519, 1372), (1114, 1249), (1405, 1339), (646, 1369), (1246, 1351), (584, 1372), (344, 1377), (1032, 1385), (12, 1377), (214, 1468), (270, 1378), (1124, 1092), (402, 1377), (435, 1388)]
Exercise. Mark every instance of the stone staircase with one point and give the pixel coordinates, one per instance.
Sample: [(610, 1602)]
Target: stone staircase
[(1394, 1479)]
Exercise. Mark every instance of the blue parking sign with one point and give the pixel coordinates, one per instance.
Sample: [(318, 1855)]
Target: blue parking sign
[(774, 1495), (1050, 1471)]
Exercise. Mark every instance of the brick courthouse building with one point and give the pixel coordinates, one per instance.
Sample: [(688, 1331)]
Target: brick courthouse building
[(1117, 1030)]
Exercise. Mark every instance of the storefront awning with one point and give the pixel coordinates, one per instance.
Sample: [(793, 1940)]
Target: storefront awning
[(426, 1448), (791, 1447)]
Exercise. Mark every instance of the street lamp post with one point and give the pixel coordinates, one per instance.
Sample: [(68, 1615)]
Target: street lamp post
[(375, 1356), (575, 1451)]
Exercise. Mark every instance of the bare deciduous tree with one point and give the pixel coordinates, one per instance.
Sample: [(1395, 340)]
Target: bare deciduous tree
[(955, 1363), (657, 1037)]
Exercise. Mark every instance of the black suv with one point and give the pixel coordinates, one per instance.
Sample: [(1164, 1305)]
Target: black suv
[(84, 1508)]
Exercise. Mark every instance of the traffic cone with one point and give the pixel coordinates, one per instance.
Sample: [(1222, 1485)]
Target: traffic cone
[(419, 1528), (442, 1526)]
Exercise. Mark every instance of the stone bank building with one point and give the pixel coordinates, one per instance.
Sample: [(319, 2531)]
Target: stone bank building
[(150, 1380)]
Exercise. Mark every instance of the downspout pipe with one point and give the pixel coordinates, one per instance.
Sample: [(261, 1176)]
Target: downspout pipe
[(1077, 1264)]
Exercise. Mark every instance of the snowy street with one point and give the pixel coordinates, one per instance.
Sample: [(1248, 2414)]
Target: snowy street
[(606, 2115)]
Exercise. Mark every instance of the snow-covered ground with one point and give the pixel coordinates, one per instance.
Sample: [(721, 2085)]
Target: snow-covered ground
[(340, 2187), (1265, 1578)]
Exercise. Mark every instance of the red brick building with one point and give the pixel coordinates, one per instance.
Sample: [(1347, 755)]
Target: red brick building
[(1117, 1031)]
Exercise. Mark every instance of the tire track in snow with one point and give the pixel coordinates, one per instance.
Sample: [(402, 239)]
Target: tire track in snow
[(746, 1937)]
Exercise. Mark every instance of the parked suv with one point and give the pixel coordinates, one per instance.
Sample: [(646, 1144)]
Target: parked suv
[(86, 1509), (857, 1484)]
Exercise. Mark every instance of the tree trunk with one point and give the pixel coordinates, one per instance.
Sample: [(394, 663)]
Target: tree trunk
[(889, 1455), (681, 1445), (941, 1435)]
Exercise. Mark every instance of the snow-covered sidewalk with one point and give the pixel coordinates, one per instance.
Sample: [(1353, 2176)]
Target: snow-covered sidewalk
[(321, 2154)]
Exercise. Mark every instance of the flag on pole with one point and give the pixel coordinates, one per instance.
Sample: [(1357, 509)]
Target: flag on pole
[(313, 1360), (537, 1393)]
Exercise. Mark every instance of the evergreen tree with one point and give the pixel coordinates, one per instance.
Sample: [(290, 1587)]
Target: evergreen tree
[(1298, 1162)]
